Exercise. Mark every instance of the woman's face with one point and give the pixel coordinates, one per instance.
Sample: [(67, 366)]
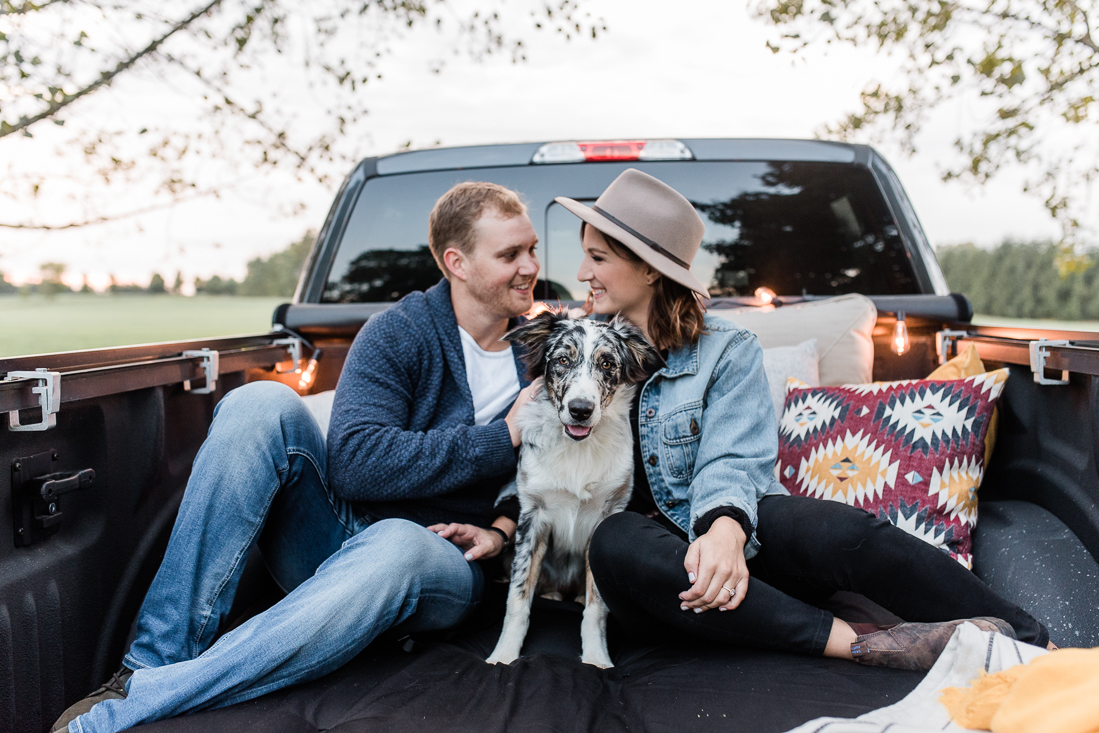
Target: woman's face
[(618, 285)]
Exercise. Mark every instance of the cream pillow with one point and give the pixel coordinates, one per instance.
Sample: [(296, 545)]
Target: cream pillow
[(320, 405), (783, 362), (843, 327)]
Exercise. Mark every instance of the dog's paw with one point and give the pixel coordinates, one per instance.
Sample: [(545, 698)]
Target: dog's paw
[(601, 660), (501, 658)]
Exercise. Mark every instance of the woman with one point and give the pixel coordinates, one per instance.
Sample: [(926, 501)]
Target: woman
[(708, 526)]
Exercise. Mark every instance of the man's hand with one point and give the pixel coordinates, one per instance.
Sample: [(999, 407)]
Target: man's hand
[(477, 543), (715, 565), (527, 394)]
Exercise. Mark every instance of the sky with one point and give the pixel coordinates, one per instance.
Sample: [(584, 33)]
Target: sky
[(659, 71)]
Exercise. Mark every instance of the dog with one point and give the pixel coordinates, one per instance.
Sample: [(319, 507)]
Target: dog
[(575, 465)]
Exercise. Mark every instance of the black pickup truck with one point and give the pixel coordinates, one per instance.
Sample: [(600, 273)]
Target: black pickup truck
[(116, 431)]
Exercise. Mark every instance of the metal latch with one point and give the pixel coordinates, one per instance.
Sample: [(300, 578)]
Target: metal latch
[(945, 343), (209, 369), (36, 489), (49, 400), (293, 348), (1038, 355)]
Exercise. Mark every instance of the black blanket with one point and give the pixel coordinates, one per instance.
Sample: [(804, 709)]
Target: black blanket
[(442, 684)]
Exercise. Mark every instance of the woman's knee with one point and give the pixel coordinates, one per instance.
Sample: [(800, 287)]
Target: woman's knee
[(624, 551), (820, 524), (607, 550)]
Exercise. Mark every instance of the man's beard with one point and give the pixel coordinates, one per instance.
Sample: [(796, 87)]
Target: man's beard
[(501, 299)]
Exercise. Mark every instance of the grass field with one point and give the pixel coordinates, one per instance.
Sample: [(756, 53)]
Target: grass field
[(980, 320), (38, 325)]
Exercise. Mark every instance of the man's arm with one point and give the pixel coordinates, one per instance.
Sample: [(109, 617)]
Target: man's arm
[(372, 456)]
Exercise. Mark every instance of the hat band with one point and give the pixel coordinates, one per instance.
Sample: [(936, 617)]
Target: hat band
[(656, 247)]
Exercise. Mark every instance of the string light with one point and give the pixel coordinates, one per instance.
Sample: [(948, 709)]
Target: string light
[(900, 343), (765, 295), (310, 371)]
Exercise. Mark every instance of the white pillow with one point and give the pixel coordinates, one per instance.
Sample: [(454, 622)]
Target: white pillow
[(320, 405), (782, 362), (843, 327)]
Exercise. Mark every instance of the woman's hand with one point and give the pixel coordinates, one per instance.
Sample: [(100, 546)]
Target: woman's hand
[(476, 542), (715, 565), (527, 394)]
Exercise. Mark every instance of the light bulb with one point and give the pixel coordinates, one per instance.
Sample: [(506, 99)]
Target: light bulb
[(900, 343), (766, 295), (307, 375)]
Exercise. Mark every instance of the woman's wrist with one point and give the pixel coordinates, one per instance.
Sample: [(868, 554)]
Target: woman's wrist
[(728, 524)]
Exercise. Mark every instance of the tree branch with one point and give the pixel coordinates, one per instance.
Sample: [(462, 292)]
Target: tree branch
[(278, 142), (1087, 39), (105, 77), (127, 215), (27, 7)]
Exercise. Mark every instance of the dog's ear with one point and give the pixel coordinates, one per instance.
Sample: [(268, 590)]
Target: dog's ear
[(642, 358), (533, 339)]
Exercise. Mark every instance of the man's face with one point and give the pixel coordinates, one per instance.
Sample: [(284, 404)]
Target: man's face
[(503, 266)]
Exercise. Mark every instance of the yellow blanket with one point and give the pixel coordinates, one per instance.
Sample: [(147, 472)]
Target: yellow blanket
[(1057, 692)]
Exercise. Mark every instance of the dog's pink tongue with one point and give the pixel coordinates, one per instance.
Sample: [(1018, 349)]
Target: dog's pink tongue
[(578, 431)]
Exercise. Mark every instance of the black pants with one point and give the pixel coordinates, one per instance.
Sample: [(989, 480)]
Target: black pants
[(810, 549)]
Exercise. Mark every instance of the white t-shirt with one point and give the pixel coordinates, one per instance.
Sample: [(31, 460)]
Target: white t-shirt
[(493, 380)]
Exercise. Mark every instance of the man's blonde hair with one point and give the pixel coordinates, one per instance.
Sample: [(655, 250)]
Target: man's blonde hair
[(454, 218)]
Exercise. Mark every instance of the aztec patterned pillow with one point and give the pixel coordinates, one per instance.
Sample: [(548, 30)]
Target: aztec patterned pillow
[(911, 452)]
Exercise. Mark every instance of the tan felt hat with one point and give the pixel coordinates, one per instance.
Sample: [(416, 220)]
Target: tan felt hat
[(651, 218)]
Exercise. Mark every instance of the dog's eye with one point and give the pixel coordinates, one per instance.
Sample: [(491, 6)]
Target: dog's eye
[(563, 360), (606, 365)]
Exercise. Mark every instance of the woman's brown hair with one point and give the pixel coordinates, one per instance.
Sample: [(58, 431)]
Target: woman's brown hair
[(675, 313)]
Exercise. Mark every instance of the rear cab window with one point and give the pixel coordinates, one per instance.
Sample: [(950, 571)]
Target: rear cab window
[(798, 228)]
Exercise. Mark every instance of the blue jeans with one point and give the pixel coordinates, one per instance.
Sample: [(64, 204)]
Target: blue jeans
[(260, 477)]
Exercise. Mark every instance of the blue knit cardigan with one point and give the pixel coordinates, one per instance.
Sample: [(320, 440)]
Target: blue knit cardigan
[(402, 441)]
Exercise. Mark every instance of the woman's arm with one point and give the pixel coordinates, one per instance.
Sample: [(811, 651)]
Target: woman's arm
[(734, 465), (738, 442)]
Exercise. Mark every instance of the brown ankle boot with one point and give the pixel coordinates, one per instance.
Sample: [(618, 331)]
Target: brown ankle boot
[(112, 689), (916, 646)]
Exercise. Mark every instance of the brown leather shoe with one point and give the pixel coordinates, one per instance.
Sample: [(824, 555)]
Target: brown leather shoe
[(112, 689), (916, 646)]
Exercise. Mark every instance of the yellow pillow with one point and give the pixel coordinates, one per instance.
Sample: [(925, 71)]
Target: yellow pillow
[(969, 364)]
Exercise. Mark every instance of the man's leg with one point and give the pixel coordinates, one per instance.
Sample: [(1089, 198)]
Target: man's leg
[(838, 547), (263, 444), (394, 572)]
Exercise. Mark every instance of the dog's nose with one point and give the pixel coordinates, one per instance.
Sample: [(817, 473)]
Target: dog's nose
[(581, 409)]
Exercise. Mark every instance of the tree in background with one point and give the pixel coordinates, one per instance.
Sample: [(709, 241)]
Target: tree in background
[(51, 283), (177, 286), (156, 285), (216, 286), (233, 70), (117, 288), (1020, 280), (278, 274), (6, 288), (1035, 63)]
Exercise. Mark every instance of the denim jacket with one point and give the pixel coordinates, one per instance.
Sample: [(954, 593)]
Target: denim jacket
[(708, 432)]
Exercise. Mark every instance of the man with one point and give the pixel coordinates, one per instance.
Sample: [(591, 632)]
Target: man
[(416, 439)]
